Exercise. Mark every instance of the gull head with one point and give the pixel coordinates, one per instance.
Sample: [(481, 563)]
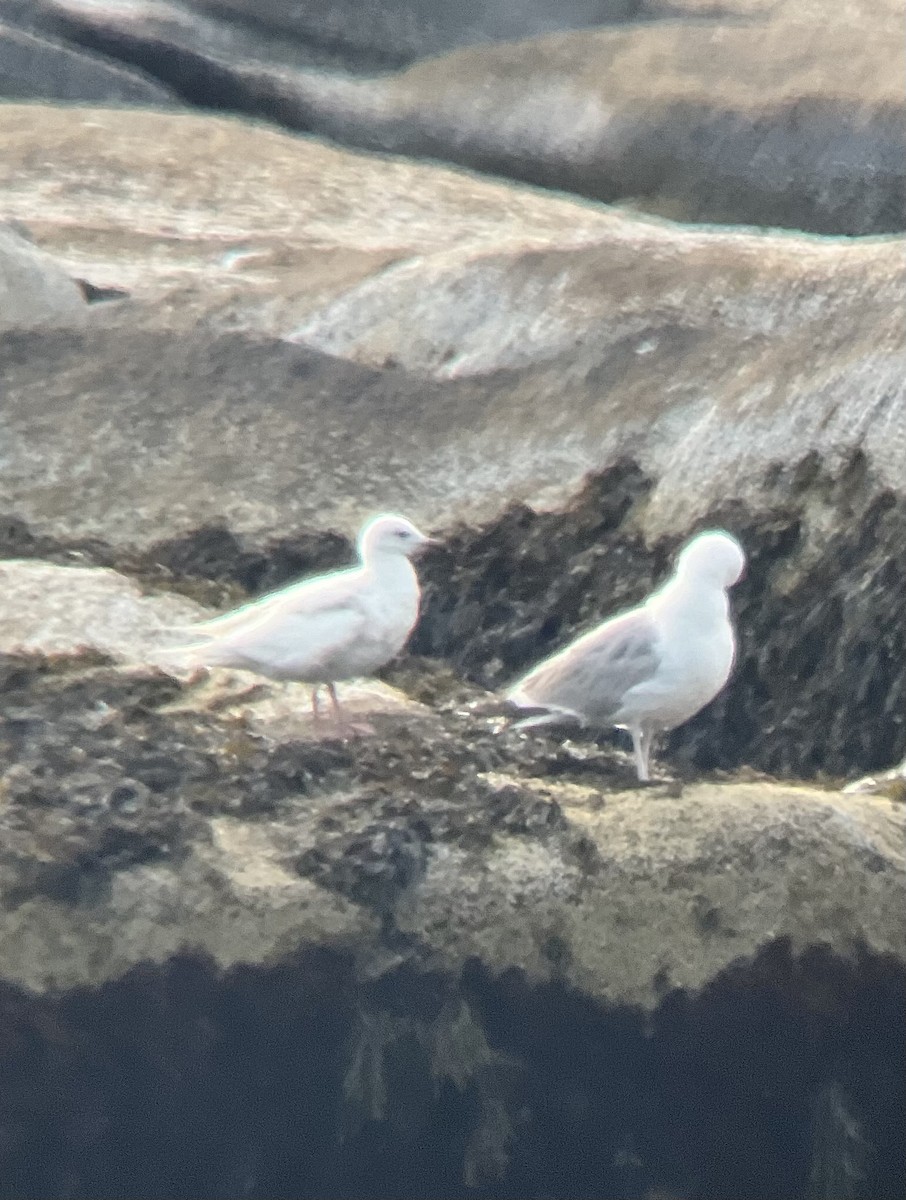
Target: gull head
[(713, 556), (390, 535)]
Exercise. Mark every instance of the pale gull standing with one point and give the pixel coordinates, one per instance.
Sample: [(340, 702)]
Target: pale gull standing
[(653, 667), (326, 629)]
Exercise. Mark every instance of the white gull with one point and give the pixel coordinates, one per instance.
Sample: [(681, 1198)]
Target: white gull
[(653, 667), (329, 628)]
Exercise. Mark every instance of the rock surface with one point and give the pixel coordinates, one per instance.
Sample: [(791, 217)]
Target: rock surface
[(775, 349), (770, 114), (444, 933), (34, 290), (35, 66), (772, 117), (751, 380), (239, 35), (172, 826)]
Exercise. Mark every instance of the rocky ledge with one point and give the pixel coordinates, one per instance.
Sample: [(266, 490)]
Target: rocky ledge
[(417, 940), (447, 935)]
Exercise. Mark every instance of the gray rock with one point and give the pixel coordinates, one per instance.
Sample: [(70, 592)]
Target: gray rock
[(37, 67), (506, 309), (49, 609), (348, 34), (511, 344), (754, 113), (694, 879), (35, 291), (769, 119)]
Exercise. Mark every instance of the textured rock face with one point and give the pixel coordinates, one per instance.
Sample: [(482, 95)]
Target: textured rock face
[(195, 829), (483, 916), (413, 28), (34, 290), (34, 66), (343, 33), (769, 119), (751, 380), (770, 114), (561, 318)]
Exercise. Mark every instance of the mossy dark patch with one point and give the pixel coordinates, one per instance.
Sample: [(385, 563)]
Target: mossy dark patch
[(100, 770), (820, 683), (299, 1080), (96, 775)]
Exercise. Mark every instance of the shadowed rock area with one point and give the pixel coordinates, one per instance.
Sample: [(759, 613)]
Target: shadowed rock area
[(349, 34), (34, 66)]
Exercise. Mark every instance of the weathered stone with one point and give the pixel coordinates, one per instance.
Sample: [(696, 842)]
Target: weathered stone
[(239, 35), (521, 342), (775, 349), (242, 958), (774, 117), (34, 66), (159, 205), (34, 290), (49, 609), (643, 890), (458, 922), (402, 29), (769, 114)]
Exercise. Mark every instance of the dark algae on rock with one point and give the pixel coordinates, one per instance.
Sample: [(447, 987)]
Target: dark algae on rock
[(239, 966)]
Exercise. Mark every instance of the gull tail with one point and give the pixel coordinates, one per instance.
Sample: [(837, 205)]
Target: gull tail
[(198, 653), (548, 716), (531, 713)]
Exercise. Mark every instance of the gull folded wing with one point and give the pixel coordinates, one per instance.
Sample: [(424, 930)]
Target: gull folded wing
[(591, 677)]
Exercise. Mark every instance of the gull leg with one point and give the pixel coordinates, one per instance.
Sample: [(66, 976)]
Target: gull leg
[(338, 713), (315, 706), (641, 750), (646, 737), (345, 727)]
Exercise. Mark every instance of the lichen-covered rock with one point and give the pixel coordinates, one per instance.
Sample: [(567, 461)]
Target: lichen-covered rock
[(136, 823)]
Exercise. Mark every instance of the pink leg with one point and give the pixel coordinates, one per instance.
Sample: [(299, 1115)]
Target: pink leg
[(337, 711), (345, 727), (315, 707)]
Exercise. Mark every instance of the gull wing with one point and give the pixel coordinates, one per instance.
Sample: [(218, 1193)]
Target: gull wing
[(292, 632), (306, 595), (590, 678)]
